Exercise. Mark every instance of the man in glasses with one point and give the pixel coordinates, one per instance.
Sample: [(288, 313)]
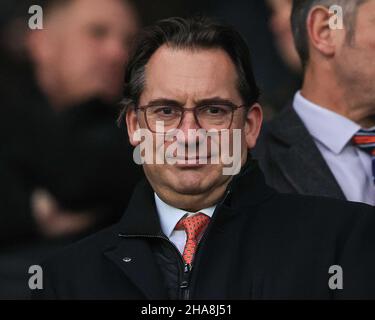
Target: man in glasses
[(191, 231)]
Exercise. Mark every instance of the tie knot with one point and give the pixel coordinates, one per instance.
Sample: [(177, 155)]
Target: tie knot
[(365, 140), (193, 225)]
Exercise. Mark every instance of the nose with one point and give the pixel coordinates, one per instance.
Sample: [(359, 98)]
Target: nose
[(189, 123)]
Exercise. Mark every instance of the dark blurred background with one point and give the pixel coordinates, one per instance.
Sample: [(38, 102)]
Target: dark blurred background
[(66, 168)]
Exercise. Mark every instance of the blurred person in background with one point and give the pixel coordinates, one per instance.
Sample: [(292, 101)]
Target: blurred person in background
[(66, 168), (324, 143), (282, 30), (83, 49), (256, 20), (279, 24), (79, 59)]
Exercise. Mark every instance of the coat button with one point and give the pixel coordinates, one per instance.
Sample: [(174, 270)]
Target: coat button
[(127, 259)]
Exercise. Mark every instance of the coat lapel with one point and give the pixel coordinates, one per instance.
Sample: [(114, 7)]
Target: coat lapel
[(133, 254), (246, 190), (142, 269), (302, 163)]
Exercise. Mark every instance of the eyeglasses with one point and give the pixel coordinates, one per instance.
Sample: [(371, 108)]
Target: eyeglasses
[(212, 116)]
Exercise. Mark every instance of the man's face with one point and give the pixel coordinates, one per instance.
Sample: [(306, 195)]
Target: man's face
[(188, 77), (87, 43), (354, 61)]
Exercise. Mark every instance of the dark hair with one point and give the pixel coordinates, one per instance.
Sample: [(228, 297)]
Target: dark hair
[(300, 13), (193, 33)]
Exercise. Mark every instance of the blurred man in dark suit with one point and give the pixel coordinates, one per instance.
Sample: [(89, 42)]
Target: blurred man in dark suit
[(79, 59), (66, 168), (324, 144), (193, 229), (69, 146)]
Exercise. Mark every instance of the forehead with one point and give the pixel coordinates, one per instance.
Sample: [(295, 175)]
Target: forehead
[(196, 74)]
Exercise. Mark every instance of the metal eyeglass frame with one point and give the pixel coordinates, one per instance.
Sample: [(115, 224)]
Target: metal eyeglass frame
[(184, 110)]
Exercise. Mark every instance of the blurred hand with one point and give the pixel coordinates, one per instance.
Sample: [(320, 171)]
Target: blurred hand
[(54, 222)]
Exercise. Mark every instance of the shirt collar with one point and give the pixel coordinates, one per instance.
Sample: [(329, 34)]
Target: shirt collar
[(169, 216), (328, 127)]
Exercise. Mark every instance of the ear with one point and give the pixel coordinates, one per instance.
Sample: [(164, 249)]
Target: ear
[(132, 124), (321, 36), (254, 119)]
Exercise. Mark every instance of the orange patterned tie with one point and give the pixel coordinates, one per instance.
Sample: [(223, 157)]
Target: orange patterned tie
[(193, 227), (365, 140)]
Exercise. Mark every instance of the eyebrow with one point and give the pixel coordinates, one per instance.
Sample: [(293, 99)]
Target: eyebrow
[(215, 100), (203, 102), (164, 102)]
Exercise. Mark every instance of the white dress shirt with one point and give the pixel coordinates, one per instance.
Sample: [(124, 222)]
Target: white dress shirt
[(169, 217), (332, 134)]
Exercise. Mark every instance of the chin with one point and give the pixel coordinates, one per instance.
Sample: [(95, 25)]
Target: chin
[(189, 182), (193, 180)]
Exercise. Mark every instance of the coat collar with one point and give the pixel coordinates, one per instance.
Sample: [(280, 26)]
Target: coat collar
[(301, 154), (331, 129), (141, 221), (246, 188), (141, 217)]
